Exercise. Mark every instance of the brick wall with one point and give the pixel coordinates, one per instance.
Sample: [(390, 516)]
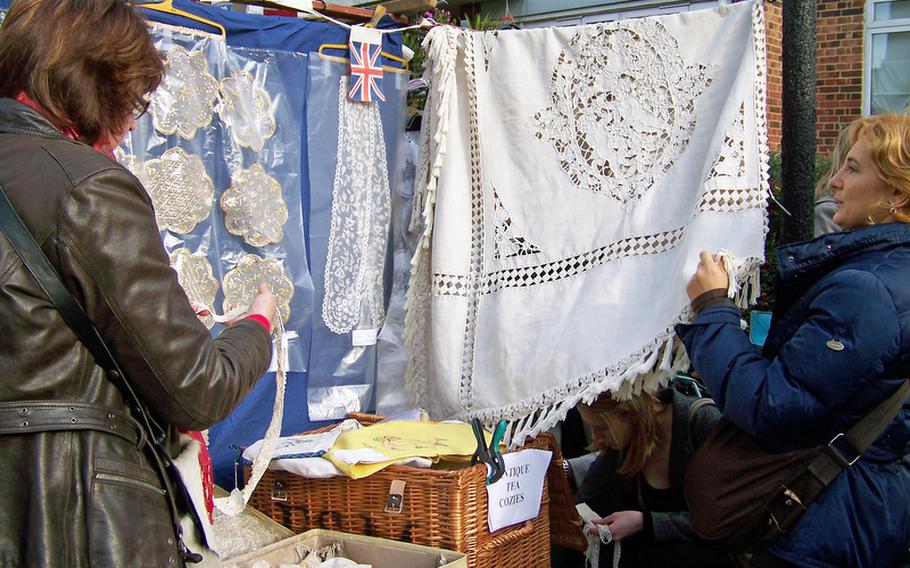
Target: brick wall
[(839, 68), (773, 34), (839, 58)]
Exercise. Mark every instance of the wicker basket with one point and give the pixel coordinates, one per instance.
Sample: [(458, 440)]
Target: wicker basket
[(441, 508)]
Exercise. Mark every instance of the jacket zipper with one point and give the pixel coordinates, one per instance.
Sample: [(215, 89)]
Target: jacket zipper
[(124, 480)]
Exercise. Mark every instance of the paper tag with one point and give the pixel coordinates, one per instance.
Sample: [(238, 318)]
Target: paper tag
[(515, 498), (302, 5), (363, 337), (273, 365), (363, 34)]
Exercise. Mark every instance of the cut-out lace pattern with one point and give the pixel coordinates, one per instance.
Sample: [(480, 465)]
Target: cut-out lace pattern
[(727, 187), (525, 276), (246, 109), (254, 207), (487, 44), (241, 284), (184, 102), (622, 107), (181, 190), (194, 273), (133, 163), (360, 219), (508, 242)]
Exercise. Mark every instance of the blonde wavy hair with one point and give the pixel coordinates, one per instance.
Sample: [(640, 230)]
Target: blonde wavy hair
[(639, 415), (887, 137)]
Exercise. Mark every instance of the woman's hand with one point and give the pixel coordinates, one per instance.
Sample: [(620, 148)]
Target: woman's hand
[(710, 275), (263, 304), (623, 524)]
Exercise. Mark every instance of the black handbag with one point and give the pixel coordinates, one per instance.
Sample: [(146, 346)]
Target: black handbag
[(742, 495), (38, 265)]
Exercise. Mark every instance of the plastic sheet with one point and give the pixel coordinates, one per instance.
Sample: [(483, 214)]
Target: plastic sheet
[(343, 362), (224, 146), (201, 130), (391, 392)]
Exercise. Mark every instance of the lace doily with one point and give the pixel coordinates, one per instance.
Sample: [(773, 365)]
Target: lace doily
[(360, 219), (254, 208), (180, 189), (241, 284), (246, 109), (194, 273), (622, 107), (184, 102), (133, 163)]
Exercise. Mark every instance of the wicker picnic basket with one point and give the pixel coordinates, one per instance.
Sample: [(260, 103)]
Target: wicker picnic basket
[(441, 508), (565, 524)]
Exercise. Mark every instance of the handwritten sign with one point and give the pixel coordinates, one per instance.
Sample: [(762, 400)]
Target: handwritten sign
[(515, 498)]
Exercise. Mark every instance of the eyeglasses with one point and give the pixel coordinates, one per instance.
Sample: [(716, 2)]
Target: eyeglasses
[(140, 108)]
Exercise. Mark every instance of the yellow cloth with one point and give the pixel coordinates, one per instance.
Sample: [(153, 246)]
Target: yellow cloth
[(363, 452)]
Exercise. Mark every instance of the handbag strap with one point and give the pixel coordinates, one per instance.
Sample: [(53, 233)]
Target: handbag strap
[(41, 269), (864, 432)]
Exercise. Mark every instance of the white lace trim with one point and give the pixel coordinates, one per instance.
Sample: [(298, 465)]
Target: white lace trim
[(194, 274), (360, 219), (761, 100), (622, 107), (441, 49), (525, 276)]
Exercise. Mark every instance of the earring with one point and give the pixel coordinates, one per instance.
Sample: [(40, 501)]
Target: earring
[(892, 209)]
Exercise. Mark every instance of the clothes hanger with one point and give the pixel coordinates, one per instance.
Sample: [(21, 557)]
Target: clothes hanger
[(167, 7), (378, 13)]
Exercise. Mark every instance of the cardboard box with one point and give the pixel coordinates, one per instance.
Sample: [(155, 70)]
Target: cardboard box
[(379, 552)]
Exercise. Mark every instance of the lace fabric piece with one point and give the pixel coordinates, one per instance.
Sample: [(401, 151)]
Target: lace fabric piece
[(184, 102), (133, 163), (579, 185), (241, 284), (246, 108), (194, 273), (181, 190), (360, 219), (622, 107), (254, 207)]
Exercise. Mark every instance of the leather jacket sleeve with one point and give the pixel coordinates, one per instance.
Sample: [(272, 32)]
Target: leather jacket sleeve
[(109, 248)]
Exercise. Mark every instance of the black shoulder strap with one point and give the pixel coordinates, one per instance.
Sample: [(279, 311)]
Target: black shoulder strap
[(75, 317)]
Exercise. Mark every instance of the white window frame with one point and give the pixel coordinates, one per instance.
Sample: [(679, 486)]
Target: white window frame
[(870, 29)]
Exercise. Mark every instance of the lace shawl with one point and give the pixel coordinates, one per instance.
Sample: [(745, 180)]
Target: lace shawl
[(569, 178)]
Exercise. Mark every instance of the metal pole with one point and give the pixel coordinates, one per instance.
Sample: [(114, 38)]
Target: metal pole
[(798, 137)]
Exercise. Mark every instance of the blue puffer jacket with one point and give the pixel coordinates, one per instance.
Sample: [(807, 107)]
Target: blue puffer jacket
[(839, 347)]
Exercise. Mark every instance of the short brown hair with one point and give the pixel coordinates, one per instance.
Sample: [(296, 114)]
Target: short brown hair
[(87, 63)]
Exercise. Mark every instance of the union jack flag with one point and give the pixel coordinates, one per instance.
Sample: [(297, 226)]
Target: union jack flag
[(366, 72)]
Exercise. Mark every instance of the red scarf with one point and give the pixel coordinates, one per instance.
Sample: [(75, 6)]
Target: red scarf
[(102, 145)]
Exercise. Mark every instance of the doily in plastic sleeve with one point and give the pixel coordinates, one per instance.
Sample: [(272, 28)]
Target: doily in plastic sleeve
[(194, 273), (133, 163), (254, 208), (246, 108), (180, 189), (241, 284), (185, 100)]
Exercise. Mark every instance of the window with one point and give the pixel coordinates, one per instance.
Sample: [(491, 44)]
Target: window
[(886, 82)]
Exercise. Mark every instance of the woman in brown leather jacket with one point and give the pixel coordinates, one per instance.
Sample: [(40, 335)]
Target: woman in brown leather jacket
[(74, 74)]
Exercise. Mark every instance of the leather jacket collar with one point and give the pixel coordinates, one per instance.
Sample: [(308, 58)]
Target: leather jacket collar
[(17, 118)]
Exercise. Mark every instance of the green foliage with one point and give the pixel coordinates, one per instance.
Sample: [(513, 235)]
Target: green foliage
[(766, 299)]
